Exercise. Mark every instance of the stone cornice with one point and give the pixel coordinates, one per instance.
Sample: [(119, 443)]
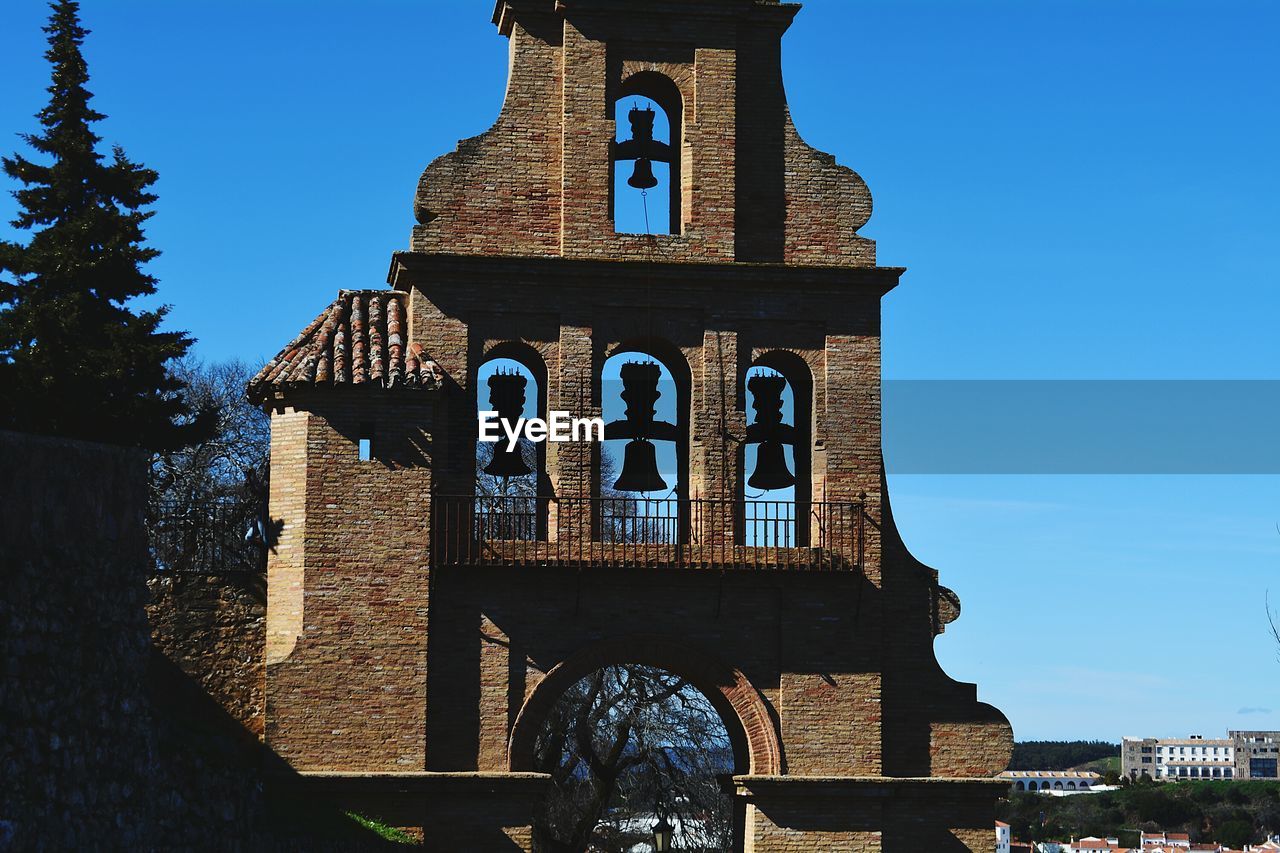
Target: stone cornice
[(409, 268)]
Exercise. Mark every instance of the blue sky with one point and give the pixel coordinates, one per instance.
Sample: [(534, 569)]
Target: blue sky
[(1080, 190)]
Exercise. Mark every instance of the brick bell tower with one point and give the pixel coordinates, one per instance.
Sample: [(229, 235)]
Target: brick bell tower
[(416, 640)]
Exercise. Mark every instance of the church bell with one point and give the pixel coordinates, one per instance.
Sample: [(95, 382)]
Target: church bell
[(770, 434), (640, 469), (506, 396), (642, 176), (771, 468), (643, 149)]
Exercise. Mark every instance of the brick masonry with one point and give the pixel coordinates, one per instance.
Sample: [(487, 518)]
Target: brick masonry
[(381, 666)]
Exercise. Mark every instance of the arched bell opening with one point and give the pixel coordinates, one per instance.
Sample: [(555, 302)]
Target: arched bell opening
[(642, 472), (775, 459), (511, 492), (646, 194)]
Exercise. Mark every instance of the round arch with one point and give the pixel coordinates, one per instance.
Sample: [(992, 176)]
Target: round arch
[(527, 357), (757, 747), (533, 361), (664, 92), (799, 375), (677, 364)]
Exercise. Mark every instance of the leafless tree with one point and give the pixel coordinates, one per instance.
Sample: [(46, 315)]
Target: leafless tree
[(208, 500), (234, 454), (1273, 619), (626, 744)]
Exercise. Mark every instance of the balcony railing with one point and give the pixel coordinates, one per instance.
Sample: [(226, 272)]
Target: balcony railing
[(622, 532), (205, 537)]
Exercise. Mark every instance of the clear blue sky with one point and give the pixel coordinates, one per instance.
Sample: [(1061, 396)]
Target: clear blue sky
[(1085, 189)]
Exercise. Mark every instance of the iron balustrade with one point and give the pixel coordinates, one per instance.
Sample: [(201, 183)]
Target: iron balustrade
[(207, 537), (484, 530)]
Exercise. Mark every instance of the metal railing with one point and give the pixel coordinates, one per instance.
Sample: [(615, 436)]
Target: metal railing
[(484, 530), (208, 537)]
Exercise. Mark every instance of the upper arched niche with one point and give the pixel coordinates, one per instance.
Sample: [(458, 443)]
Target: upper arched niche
[(539, 182), (649, 113)]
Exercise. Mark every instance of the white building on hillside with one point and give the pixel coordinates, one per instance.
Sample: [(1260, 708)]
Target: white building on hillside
[(1060, 781)]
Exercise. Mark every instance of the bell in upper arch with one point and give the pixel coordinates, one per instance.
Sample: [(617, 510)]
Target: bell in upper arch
[(642, 177), (771, 468), (640, 469)]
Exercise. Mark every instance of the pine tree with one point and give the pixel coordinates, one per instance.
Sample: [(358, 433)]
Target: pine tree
[(74, 359)]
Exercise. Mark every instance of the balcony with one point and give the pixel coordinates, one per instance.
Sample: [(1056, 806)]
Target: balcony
[(651, 533)]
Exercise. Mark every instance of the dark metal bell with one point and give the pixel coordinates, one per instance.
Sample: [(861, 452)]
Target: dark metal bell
[(642, 178), (771, 468), (506, 395), (507, 463), (640, 469)]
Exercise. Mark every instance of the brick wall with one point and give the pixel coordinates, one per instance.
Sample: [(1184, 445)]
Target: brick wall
[(213, 628), (382, 663), (349, 693)]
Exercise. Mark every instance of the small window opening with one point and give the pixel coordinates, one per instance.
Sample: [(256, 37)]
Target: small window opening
[(365, 443)]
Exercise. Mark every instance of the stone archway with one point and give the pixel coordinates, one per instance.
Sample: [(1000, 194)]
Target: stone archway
[(744, 711)]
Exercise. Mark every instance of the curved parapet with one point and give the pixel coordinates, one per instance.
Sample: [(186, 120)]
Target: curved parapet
[(743, 185), (966, 738), (826, 205), (500, 192)]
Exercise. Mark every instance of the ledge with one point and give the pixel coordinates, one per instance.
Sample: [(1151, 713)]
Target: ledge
[(419, 782), (865, 786), (514, 272)]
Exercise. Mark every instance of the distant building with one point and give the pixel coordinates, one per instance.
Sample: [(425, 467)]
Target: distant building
[(1241, 755), (1003, 837), (1068, 781), (1093, 844), (1175, 840)]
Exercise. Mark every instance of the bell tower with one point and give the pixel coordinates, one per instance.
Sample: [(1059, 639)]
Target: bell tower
[(421, 628)]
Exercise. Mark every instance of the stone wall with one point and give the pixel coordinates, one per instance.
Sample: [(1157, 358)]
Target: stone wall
[(109, 742), (77, 745), (213, 629)]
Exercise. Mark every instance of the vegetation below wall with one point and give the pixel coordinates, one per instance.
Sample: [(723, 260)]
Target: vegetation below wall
[(1059, 754), (1232, 813)]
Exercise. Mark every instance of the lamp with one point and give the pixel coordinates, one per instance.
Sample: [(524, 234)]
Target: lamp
[(661, 835)]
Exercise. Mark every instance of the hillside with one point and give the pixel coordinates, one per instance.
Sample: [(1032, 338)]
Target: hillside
[(1233, 813), (1060, 754)]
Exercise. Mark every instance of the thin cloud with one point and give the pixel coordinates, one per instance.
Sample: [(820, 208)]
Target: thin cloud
[(1254, 711)]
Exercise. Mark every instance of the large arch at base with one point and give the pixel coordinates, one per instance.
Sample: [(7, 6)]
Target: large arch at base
[(752, 730)]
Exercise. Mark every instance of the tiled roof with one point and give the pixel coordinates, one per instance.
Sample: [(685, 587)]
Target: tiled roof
[(357, 340), (1048, 774)]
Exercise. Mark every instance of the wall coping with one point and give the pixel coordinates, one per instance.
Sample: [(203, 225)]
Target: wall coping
[(863, 786), (369, 782), (409, 267)]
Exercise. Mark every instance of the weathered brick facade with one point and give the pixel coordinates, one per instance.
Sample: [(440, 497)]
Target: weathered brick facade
[(388, 670)]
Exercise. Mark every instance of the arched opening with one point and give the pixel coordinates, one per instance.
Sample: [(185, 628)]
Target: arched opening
[(1031, 786), (1020, 787), (1071, 786), (775, 458), (627, 746), (1057, 786), (753, 743), (646, 186), (510, 496), (642, 473)]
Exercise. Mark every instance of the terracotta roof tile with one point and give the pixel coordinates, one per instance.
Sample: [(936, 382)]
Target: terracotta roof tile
[(358, 339)]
